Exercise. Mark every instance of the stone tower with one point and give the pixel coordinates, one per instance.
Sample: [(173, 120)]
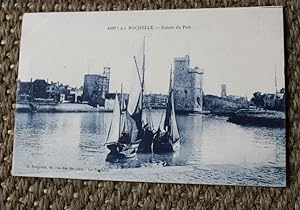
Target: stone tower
[(188, 86), (96, 86), (91, 86), (223, 91)]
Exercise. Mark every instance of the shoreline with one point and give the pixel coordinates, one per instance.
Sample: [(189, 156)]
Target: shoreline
[(265, 118), (58, 108), (245, 117)]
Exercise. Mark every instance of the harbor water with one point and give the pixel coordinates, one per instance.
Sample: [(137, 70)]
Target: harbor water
[(213, 151)]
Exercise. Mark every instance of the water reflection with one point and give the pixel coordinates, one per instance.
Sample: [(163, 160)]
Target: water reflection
[(95, 123), (142, 160), (120, 162), (93, 132), (77, 140), (191, 129)]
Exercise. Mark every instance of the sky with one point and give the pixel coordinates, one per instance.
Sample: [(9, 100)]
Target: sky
[(242, 48)]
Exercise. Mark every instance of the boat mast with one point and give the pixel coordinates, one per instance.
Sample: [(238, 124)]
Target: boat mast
[(276, 90), (171, 78), (143, 79), (120, 113), (121, 97), (168, 109), (170, 97)]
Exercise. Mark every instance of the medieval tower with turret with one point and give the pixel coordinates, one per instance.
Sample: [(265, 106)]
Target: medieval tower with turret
[(188, 86)]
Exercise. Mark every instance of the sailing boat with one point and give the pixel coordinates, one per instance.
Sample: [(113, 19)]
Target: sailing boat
[(146, 128), (148, 134), (169, 139), (126, 130), (122, 136)]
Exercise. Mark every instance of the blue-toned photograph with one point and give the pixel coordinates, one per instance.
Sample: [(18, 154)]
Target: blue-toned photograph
[(171, 96)]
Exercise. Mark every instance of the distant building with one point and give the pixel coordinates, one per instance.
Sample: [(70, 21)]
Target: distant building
[(76, 93), (236, 98), (36, 88), (95, 87), (24, 88), (39, 88), (55, 90), (155, 101), (188, 87), (104, 83), (223, 90), (90, 86), (280, 95), (52, 90), (269, 101), (110, 100), (62, 98)]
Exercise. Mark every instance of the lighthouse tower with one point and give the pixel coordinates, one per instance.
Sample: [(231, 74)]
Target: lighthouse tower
[(188, 86)]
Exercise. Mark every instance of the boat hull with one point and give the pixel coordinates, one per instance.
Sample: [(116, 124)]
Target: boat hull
[(146, 144), (123, 150), (165, 147)]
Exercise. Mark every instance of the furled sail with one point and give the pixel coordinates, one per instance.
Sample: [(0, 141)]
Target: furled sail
[(122, 100), (167, 124), (149, 120), (135, 103), (114, 129), (170, 124), (129, 127), (136, 92), (174, 129)]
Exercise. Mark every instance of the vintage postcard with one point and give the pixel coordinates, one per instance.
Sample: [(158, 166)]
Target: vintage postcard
[(171, 96)]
